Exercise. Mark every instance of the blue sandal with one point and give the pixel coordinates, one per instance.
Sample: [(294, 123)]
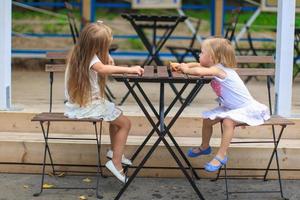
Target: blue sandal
[(212, 168), (192, 154)]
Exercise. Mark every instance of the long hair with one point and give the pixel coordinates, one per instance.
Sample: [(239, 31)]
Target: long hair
[(221, 51), (94, 39)]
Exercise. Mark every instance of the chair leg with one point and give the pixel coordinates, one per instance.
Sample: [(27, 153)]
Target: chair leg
[(99, 138), (218, 175), (110, 92), (219, 172), (99, 166), (46, 149), (226, 181)]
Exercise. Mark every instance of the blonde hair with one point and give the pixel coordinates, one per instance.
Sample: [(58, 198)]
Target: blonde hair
[(221, 51), (95, 38)]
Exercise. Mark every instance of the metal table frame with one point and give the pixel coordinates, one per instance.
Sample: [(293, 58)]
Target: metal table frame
[(161, 128), (155, 23)]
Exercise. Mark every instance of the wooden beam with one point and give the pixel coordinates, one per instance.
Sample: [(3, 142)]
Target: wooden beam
[(219, 4), (15, 148), (87, 9)]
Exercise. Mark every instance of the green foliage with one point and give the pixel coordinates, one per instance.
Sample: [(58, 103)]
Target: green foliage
[(136, 44), (106, 14), (53, 28), (203, 15), (265, 21), (22, 28)]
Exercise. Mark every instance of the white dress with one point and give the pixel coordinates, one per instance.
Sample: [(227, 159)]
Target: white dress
[(235, 101), (98, 107)]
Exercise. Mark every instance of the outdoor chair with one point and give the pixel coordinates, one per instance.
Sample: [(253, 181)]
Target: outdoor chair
[(251, 50), (230, 27), (180, 53), (75, 34), (274, 121), (47, 118)]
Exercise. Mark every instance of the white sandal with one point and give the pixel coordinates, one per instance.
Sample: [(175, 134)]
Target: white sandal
[(111, 167), (124, 160)]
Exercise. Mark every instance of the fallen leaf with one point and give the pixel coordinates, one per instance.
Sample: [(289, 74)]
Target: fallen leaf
[(87, 180), (47, 186), (82, 197), (50, 174), (62, 174)]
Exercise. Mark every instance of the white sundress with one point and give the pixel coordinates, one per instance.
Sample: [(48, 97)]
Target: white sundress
[(98, 107), (235, 101)]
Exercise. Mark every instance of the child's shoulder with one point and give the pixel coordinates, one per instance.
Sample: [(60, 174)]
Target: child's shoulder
[(219, 71)]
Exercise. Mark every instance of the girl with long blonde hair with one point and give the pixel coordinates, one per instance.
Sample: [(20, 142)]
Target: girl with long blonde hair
[(236, 105), (87, 68)]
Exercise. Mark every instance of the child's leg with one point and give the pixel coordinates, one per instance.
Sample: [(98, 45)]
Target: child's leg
[(207, 128), (113, 129), (228, 130), (119, 139)]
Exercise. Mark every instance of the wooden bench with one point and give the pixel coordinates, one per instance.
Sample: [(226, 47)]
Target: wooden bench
[(275, 120), (46, 118)]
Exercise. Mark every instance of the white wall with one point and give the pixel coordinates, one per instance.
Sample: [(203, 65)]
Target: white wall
[(5, 54)]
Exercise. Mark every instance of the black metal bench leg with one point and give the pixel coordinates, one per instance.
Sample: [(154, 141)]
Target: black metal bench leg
[(108, 96), (218, 175), (226, 181), (110, 92), (219, 171), (98, 138), (99, 169), (274, 150), (276, 142), (46, 149)]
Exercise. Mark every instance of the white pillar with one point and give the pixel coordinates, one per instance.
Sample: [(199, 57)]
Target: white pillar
[(5, 54), (284, 56)]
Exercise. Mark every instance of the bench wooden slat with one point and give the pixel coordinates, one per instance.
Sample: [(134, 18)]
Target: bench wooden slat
[(255, 71), (275, 120), (55, 67), (47, 116), (254, 59), (57, 55)]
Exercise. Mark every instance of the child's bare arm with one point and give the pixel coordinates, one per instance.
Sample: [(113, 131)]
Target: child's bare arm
[(203, 71), (175, 66), (193, 64), (112, 69), (111, 60)]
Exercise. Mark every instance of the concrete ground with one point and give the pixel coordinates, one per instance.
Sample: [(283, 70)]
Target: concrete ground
[(23, 186)]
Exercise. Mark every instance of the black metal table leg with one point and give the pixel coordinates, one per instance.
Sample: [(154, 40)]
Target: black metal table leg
[(162, 132), (165, 114)]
